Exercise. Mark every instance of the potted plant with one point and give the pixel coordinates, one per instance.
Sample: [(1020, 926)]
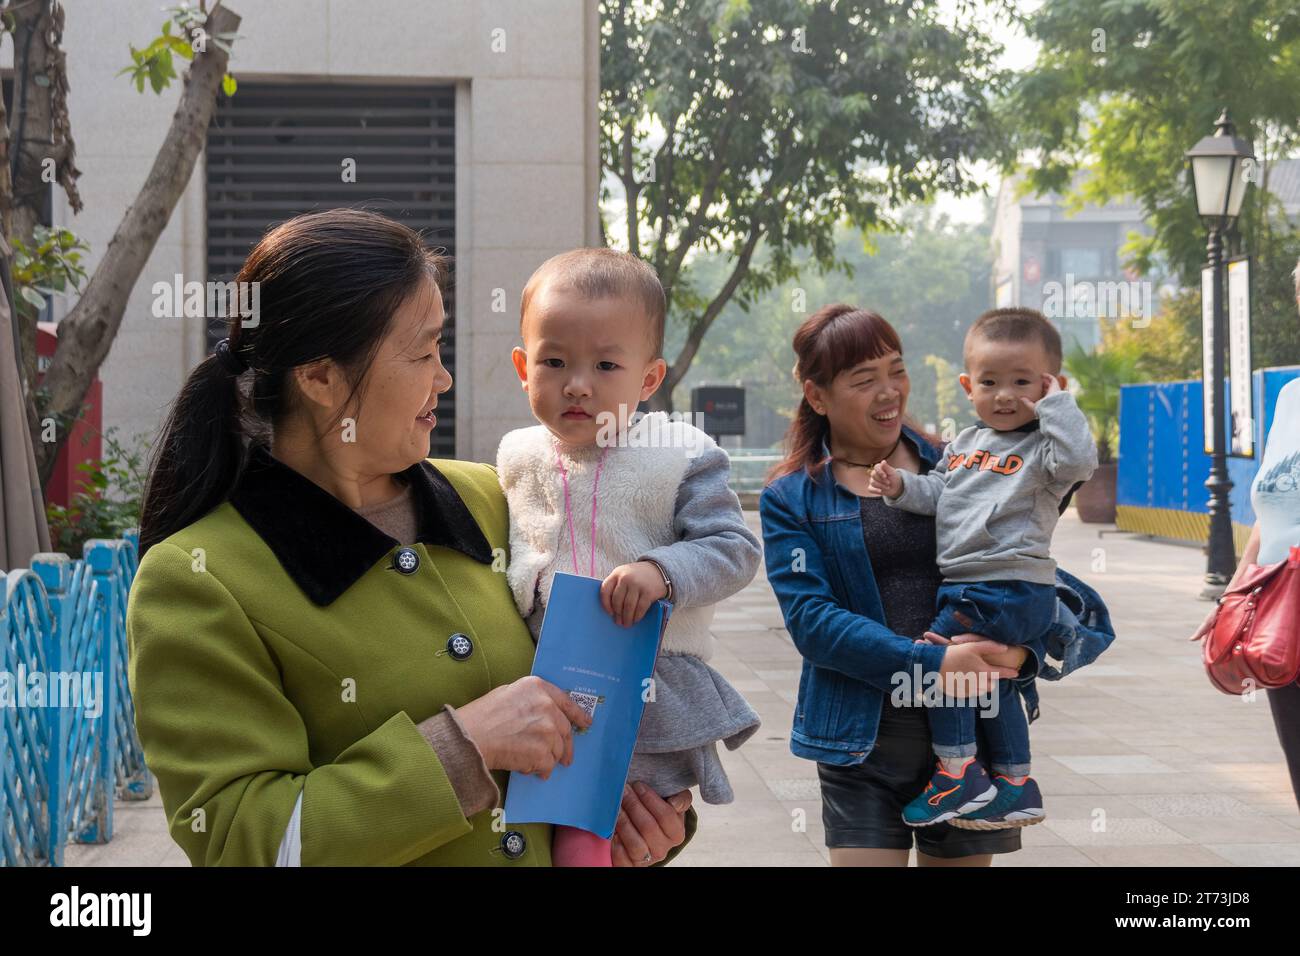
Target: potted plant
[(108, 501), (1099, 375)]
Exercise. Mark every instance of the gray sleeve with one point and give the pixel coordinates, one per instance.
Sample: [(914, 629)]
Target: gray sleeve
[(1069, 452), (921, 492), (716, 554)]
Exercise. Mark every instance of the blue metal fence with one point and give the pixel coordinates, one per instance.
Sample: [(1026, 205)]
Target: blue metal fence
[(1163, 465), (67, 723)]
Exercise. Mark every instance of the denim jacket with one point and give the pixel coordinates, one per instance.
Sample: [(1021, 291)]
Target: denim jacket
[(817, 563)]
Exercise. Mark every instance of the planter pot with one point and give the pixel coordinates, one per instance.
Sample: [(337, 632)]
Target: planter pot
[(1096, 498)]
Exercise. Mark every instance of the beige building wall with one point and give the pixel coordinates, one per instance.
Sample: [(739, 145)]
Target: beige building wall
[(527, 164)]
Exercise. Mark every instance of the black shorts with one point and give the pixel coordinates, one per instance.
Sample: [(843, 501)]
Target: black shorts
[(862, 804)]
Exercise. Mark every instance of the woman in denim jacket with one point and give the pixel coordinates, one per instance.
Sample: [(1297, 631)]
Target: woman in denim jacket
[(857, 582)]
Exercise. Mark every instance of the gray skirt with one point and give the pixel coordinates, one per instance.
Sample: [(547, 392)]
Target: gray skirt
[(693, 709)]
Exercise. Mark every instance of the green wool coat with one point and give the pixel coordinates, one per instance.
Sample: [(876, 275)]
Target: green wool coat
[(278, 649)]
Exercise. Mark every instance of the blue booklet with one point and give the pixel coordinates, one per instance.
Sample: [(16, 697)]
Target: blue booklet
[(606, 669)]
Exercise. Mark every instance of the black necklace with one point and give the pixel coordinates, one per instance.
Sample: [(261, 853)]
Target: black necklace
[(873, 464)]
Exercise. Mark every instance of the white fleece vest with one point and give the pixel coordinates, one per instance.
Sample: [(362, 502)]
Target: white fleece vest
[(638, 496)]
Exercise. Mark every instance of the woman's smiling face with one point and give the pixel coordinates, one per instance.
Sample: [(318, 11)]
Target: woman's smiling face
[(865, 404), (401, 388)]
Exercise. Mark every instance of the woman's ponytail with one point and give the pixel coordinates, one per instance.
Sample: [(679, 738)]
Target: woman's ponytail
[(198, 458)]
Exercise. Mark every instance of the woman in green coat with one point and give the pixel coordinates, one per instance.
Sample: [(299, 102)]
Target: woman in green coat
[(325, 657)]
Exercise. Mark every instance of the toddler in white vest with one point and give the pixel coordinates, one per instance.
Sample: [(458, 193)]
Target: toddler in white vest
[(641, 502)]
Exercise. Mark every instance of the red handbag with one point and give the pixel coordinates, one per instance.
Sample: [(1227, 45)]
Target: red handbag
[(1255, 641)]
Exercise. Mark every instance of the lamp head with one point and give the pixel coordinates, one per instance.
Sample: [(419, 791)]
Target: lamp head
[(1218, 166)]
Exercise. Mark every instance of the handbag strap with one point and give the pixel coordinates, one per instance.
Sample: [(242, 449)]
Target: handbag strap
[(1261, 574)]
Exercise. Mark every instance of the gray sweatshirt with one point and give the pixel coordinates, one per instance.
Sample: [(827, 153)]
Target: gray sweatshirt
[(996, 494)]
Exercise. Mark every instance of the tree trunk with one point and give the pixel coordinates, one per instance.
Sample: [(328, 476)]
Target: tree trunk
[(699, 326), (87, 333), (39, 80), (662, 400)]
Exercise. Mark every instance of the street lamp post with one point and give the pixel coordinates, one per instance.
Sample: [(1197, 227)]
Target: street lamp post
[(1218, 165)]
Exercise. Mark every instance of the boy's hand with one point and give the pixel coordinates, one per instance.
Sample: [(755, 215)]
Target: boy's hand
[(885, 480), (629, 591), (1050, 387)]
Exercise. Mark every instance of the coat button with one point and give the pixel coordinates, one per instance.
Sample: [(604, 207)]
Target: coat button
[(407, 560), (459, 646), (513, 844)]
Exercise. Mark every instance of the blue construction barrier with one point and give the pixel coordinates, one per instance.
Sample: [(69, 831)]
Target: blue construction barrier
[(68, 725), (1163, 466)]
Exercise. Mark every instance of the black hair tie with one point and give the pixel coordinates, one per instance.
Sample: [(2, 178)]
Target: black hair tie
[(230, 359)]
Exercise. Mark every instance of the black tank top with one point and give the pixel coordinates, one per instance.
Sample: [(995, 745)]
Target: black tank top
[(904, 560)]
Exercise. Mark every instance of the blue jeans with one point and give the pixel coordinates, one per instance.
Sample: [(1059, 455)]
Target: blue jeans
[(1011, 612)]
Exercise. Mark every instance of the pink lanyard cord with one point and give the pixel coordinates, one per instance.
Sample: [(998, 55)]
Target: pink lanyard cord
[(568, 510)]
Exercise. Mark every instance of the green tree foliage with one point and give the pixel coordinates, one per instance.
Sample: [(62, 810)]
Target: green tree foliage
[(52, 266), (154, 63), (1099, 374), (950, 402), (750, 129), (1167, 349), (107, 499), (1122, 89), (930, 279)]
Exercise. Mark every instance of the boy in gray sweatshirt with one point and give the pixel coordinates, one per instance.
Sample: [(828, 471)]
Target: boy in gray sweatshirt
[(996, 496)]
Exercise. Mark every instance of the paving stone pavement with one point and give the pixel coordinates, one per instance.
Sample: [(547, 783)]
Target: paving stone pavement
[(1141, 761)]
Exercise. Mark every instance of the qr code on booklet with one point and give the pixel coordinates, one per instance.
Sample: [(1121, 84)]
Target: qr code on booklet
[(588, 703)]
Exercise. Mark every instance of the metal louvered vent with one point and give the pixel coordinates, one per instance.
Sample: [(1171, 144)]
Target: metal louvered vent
[(275, 150)]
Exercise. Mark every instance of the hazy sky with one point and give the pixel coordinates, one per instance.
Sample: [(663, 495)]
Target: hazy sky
[(1019, 53)]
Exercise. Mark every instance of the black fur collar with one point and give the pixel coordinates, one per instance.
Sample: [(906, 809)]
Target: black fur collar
[(323, 544)]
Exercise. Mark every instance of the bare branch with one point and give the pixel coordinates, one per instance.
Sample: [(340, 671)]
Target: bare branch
[(87, 332), (693, 228), (682, 363), (631, 190), (61, 147), (663, 163)]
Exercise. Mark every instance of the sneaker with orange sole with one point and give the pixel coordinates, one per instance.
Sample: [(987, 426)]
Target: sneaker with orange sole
[(1016, 805), (947, 796)]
